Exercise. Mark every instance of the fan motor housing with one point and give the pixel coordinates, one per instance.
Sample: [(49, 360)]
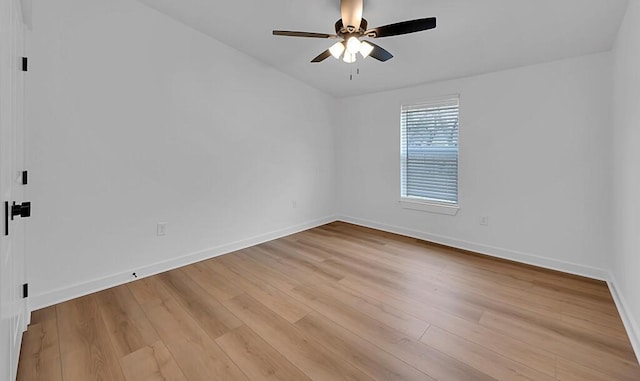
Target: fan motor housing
[(343, 31)]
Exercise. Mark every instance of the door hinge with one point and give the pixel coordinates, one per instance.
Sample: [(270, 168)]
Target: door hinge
[(25, 290), (25, 177), (25, 64)]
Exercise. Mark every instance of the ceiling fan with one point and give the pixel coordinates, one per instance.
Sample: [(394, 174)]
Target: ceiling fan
[(352, 27)]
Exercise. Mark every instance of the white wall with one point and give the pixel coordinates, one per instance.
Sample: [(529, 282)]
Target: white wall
[(626, 169), (136, 119), (534, 158)]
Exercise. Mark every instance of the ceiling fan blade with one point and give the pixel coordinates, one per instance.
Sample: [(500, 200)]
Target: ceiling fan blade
[(322, 56), (302, 34), (379, 53), (403, 27), (351, 11)]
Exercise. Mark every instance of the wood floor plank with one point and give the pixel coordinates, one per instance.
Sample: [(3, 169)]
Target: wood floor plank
[(194, 351), (372, 360), (303, 249), (614, 331), (408, 324), (311, 266), (519, 305), (348, 266), (381, 256), (567, 333), (218, 288), (257, 359), (542, 304), (423, 357), (466, 309), (481, 358), (514, 350), (209, 313), (494, 278), (383, 269), (528, 308), (504, 345), (40, 352), (418, 286), (260, 271), (571, 296), (151, 363), (360, 234), (380, 236), (581, 353), (85, 346), (516, 270), (279, 302), (408, 249), (315, 361), (567, 370), (597, 290), (43, 314), (127, 325), (297, 274)]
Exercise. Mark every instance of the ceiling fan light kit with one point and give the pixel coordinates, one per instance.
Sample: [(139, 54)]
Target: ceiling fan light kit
[(351, 44)]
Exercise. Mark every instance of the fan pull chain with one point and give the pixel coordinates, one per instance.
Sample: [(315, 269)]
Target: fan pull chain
[(351, 74)]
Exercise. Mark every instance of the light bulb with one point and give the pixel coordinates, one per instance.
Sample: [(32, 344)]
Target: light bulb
[(348, 57), (365, 49), (337, 49), (353, 45)]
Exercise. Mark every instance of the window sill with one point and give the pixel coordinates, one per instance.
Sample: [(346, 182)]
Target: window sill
[(431, 207)]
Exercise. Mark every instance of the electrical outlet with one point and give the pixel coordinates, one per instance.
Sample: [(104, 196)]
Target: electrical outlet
[(484, 220), (162, 228)]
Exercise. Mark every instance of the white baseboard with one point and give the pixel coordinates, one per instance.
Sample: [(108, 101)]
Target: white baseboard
[(80, 289), (493, 251), (630, 324)]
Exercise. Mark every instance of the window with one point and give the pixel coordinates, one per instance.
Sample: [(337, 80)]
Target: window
[(429, 152)]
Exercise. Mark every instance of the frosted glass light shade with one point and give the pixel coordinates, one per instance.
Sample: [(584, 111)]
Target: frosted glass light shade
[(353, 45), (348, 57), (365, 49), (337, 49)]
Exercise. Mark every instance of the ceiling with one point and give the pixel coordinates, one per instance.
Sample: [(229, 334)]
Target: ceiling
[(472, 36)]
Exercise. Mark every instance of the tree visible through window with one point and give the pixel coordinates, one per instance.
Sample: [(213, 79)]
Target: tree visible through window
[(429, 151)]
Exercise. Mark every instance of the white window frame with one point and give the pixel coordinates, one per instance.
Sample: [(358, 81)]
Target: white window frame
[(421, 203)]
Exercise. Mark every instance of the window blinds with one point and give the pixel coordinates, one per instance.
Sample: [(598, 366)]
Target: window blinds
[(429, 151)]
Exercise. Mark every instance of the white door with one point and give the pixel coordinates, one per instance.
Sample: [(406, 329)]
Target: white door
[(12, 262)]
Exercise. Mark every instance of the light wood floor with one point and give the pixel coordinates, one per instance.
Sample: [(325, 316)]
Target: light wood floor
[(338, 302)]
